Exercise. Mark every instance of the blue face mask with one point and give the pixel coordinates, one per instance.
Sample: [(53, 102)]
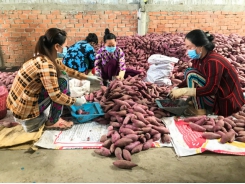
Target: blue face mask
[(110, 49), (61, 55), (193, 54)]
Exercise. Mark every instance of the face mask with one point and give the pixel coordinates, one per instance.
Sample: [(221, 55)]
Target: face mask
[(110, 49), (193, 54), (61, 55)]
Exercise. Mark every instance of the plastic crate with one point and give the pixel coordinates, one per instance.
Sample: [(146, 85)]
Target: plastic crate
[(180, 104), (94, 110)]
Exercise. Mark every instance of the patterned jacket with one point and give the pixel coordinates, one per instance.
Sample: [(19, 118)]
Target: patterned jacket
[(30, 79)]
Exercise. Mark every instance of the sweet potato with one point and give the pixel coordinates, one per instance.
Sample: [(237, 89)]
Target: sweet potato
[(131, 127), (217, 128), (201, 121), (109, 133), (103, 138), (120, 102), (123, 142), (119, 119), (153, 132), (194, 119), (139, 109), (146, 129), (220, 133), (124, 164), (147, 136), (152, 120), (115, 136), (228, 126), (156, 137), (147, 144), (240, 125), (227, 137), (142, 138), (210, 135), (131, 146), (220, 123), (138, 123), (126, 155), (115, 124), (229, 121), (134, 137), (161, 129), (126, 131), (118, 153), (112, 148), (110, 128), (137, 149), (141, 117), (240, 139), (238, 129), (209, 128), (107, 143), (241, 133), (103, 152), (196, 127)]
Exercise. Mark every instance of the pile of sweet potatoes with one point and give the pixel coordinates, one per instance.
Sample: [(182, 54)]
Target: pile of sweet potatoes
[(134, 118), (7, 78), (226, 129)]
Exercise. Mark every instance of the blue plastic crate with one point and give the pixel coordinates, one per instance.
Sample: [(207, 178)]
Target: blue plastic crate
[(94, 110)]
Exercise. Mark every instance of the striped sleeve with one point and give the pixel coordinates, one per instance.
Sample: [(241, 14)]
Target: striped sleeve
[(122, 60), (71, 72), (49, 79), (214, 71)]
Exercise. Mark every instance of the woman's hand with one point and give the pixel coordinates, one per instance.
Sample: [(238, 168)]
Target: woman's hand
[(120, 75), (94, 78), (176, 93)]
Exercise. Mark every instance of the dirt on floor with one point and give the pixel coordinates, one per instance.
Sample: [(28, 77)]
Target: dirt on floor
[(155, 165)]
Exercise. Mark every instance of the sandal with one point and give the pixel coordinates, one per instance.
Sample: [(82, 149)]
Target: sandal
[(60, 125)]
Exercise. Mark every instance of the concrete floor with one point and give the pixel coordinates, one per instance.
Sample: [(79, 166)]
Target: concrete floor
[(155, 165)]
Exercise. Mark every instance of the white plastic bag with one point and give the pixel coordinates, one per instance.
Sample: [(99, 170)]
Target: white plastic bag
[(159, 71), (161, 59), (79, 87)]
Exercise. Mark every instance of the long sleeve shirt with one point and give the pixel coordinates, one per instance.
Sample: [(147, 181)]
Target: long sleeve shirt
[(221, 81), (30, 79), (80, 56), (103, 57)]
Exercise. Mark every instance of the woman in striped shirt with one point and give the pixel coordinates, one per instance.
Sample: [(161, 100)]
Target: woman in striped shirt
[(110, 61), (41, 81), (212, 81)]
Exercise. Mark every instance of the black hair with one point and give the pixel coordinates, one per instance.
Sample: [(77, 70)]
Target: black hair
[(44, 46), (200, 38), (108, 35), (92, 37)]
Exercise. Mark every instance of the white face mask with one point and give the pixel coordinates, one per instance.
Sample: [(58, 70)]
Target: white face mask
[(64, 51)]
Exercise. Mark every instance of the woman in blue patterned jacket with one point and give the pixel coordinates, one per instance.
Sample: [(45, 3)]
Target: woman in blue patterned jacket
[(81, 55)]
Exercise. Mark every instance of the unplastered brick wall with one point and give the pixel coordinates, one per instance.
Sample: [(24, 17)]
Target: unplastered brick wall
[(224, 22), (20, 29)]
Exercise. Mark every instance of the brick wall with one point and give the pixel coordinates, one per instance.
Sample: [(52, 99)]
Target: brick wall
[(213, 21), (20, 30)]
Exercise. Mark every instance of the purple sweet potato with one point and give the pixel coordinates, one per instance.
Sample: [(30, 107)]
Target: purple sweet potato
[(112, 148), (220, 133), (146, 129), (241, 133), (123, 142), (126, 131), (124, 164), (240, 139), (103, 152), (238, 129), (209, 128), (230, 122), (240, 125), (147, 136), (118, 153), (115, 124), (161, 129), (220, 123), (126, 155), (134, 137), (153, 132), (138, 123), (166, 138), (227, 137), (210, 135), (131, 146), (201, 121), (137, 149), (147, 144), (196, 127), (109, 133), (194, 119), (103, 138), (142, 138), (107, 143), (115, 136), (156, 137)]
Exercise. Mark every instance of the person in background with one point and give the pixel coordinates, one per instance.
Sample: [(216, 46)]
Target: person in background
[(81, 55), (110, 61), (41, 81), (212, 82)]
